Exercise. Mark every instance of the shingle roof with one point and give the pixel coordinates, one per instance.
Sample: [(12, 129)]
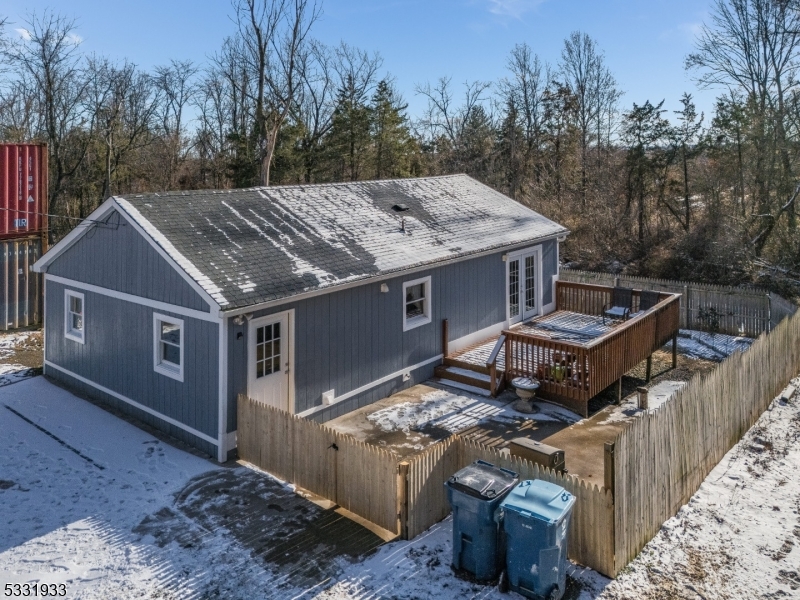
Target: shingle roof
[(249, 246)]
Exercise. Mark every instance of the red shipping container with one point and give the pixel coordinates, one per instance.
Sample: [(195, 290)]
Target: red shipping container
[(23, 190)]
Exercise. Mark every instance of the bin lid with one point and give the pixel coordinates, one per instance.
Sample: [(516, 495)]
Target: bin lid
[(483, 480), (539, 499)]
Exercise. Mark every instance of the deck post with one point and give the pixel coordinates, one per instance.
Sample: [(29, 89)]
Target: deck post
[(649, 368), (493, 379), (619, 390), (642, 400), (445, 338), (608, 466), (674, 350)]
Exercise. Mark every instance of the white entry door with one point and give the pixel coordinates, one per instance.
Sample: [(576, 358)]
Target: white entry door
[(524, 285), (268, 360)]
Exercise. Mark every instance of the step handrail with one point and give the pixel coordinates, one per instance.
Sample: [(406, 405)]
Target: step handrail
[(492, 364), (496, 350)]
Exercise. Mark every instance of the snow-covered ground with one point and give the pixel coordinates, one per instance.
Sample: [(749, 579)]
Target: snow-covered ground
[(736, 538), (710, 346), (453, 409), (10, 344), (94, 505), (112, 512)]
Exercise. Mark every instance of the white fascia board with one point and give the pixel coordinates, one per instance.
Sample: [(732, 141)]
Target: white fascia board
[(40, 266), (154, 304), (383, 277), (222, 416)]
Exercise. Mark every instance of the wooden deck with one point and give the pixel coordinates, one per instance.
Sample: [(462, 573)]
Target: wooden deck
[(572, 353), (558, 325)]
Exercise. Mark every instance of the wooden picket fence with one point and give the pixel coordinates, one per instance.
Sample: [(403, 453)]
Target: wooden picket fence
[(591, 537), (405, 497), (661, 459), (716, 308), (358, 477)]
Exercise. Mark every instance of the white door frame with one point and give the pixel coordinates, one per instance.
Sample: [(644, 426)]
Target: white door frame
[(290, 339), (520, 255)]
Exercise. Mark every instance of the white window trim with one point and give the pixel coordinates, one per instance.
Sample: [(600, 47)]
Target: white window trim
[(70, 333), (422, 319), (176, 371), (521, 254)]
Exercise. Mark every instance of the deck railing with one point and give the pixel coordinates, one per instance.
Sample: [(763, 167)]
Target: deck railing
[(572, 373)]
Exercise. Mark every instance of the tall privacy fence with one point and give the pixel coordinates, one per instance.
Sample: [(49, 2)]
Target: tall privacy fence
[(404, 496), (715, 308), (661, 459)]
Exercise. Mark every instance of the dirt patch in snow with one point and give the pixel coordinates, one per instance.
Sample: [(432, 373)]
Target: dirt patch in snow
[(22, 347)]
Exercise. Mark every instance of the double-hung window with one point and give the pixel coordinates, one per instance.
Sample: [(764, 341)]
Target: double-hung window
[(168, 346), (417, 303), (73, 316)]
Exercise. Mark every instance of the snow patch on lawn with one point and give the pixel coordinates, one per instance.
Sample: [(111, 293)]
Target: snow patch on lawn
[(406, 416), (710, 346), (455, 411), (12, 373), (657, 395)]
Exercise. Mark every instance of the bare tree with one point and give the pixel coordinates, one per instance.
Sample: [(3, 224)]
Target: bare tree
[(585, 75), (314, 110), (274, 36), (442, 115), (47, 57), (124, 102), (176, 86), (524, 89), (751, 46), (20, 111)]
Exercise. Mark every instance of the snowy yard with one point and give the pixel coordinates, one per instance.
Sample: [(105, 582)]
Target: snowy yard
[(112, 512)]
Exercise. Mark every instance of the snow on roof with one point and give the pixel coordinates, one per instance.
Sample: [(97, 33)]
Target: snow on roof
[(249, 246)]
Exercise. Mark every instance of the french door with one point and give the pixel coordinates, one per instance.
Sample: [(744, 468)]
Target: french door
[(268, 360), (524, 285)]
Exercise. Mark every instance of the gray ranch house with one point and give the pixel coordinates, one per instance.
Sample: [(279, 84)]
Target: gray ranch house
[(318, 299)]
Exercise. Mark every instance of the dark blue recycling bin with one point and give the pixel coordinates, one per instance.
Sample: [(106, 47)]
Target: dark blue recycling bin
[(535, 519), (474, 494)]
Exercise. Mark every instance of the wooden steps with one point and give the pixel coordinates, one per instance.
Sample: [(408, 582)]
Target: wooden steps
[(466, 374)]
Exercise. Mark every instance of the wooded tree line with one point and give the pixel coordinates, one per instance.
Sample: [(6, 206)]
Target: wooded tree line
[(671, 194)]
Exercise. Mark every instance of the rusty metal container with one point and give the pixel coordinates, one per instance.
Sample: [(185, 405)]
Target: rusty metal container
[(21, 289), (23, 190)]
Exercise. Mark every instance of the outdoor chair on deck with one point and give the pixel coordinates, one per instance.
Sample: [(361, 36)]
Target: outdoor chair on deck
[(620, 307), (647, 300)]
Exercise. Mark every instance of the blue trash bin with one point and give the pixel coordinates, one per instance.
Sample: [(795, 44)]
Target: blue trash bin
[(474, 494), (535, 519)]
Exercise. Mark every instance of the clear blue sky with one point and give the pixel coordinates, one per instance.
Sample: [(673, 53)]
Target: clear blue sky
[(645, 41)]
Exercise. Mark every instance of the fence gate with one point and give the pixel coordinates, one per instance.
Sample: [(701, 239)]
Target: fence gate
[(358, 477)]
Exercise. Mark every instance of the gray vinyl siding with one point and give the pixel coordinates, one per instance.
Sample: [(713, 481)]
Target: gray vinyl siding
[(118, 355), (119, 258), (348, 339)]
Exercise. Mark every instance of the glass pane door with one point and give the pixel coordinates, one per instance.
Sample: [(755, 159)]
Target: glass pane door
[(531, 305), (513, 290), (523, 287)]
